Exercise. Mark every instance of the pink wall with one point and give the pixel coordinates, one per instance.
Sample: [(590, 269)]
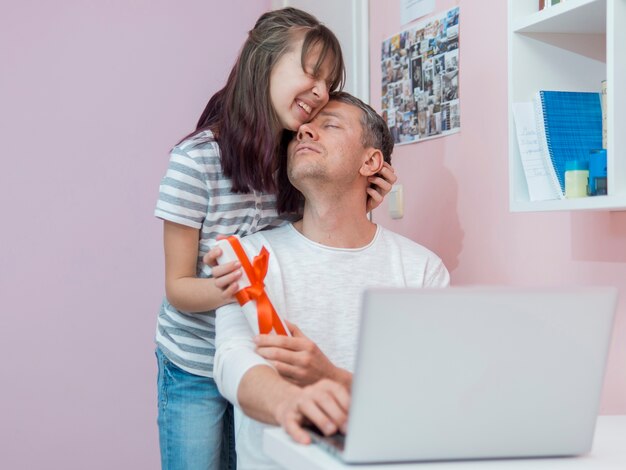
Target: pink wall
[(93, 95), (456, 190)]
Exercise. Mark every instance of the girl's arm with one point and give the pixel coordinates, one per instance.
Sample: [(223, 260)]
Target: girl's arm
[(184, 290)]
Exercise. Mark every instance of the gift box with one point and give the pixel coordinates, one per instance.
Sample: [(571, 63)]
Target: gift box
[(251, 296)]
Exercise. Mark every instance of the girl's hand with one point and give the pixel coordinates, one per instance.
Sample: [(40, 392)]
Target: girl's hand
[(225, 275), (382, 183)]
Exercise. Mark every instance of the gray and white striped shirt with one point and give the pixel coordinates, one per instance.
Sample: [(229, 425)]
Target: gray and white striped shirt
[(195, 193)]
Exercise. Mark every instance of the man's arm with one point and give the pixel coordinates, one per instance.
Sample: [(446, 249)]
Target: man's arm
[(265, 396), (248, 381), (234, 350)]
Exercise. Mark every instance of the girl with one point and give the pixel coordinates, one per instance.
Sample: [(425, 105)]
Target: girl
[(220, 181)]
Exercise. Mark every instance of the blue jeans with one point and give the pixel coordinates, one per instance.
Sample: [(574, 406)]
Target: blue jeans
[(196, 430)]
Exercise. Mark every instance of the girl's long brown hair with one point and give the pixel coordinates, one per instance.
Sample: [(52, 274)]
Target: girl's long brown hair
[(241, 114)]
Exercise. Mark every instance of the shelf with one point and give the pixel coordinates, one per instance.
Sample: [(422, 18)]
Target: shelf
[(571, 16), (572, 46), (582, 203)]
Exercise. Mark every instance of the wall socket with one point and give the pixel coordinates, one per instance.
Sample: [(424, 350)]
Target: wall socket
[(395, 203)]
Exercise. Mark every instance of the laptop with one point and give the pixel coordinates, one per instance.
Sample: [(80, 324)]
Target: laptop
[(476, 373)]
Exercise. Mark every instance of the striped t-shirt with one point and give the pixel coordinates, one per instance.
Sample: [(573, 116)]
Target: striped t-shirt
[(195, 193)]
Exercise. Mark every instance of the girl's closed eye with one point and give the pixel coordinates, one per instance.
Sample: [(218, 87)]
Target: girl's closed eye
[(311, 73)]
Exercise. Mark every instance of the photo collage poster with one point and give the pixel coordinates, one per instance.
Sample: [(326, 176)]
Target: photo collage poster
[(420, 79)]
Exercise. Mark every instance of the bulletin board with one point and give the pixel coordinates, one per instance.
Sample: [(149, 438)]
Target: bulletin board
[(420, 79)]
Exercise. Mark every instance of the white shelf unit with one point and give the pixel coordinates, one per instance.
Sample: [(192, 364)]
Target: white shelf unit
[(571, 46)]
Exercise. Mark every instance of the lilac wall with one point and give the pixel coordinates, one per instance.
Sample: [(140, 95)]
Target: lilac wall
[(93, 95), (456, 190)]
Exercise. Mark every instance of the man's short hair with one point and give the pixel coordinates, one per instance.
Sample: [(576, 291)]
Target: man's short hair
[(376, 133)]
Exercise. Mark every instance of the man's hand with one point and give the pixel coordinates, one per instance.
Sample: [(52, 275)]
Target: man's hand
[(298, 359), (324, 404)]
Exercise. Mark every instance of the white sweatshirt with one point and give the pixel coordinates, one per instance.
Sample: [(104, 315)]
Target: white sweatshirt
[(318, 288)]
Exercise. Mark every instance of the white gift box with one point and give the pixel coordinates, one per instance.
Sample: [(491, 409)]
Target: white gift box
[(250, 307)]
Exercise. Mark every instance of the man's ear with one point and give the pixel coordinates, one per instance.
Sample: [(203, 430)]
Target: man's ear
[(374, 162)]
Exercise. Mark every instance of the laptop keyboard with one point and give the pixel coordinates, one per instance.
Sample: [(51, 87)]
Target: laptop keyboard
[(333, 444)]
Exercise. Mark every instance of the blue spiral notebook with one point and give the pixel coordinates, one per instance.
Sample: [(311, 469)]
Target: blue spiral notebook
[(569, 126)]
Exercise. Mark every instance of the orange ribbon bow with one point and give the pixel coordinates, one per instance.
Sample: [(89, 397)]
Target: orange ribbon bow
[(268, 318)]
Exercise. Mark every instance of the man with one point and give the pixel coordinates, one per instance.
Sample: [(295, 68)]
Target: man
[(318, 269)]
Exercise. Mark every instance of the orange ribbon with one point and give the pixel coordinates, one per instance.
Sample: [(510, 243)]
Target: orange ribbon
[(268, 318)]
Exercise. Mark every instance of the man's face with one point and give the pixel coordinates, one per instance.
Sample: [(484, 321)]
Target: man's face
[(329, 148)]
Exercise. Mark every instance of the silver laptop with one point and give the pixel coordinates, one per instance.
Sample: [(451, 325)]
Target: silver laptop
[(477, 373)]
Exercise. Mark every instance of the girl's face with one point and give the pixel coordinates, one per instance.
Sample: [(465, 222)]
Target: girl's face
[(297, 95)]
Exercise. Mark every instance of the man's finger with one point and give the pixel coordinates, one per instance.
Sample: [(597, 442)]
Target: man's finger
[(273, 354), (293, 427), (280, 354), (294, 330), (278, 341), (330, 404), (311, 410), (339, 393)]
